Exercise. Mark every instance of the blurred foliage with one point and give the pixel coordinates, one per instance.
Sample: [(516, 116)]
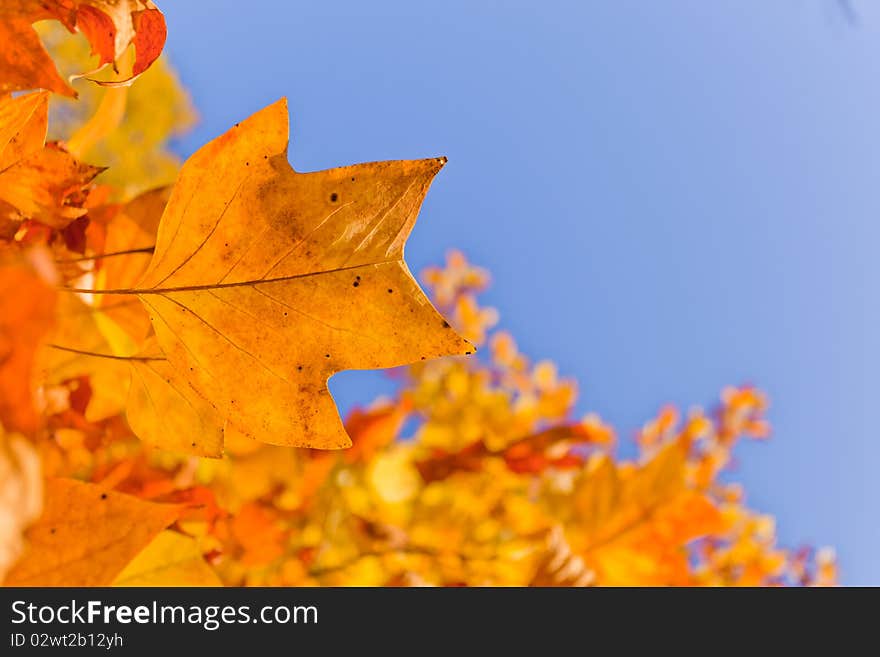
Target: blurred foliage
[(133, 131)]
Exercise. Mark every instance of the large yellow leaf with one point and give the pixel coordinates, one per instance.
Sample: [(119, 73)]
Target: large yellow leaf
[(166, 411), (86, 535), (172, 559), (265, 281)]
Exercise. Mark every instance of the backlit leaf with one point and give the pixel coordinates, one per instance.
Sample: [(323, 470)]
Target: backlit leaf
[(265, 281), (171, 559)]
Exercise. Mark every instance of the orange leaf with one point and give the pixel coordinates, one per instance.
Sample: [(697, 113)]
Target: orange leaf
[(37, 180), (86, 536), (109, 25), (264, 282), (373, 429)]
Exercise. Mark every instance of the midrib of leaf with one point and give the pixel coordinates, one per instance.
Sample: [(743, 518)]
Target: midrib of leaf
[(217, 286)]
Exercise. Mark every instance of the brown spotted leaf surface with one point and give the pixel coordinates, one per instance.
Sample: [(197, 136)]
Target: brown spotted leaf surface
[(266, 281)]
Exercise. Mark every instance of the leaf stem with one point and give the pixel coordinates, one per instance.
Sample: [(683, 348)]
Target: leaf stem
[(218, 286), (97, 355), (101, 256)]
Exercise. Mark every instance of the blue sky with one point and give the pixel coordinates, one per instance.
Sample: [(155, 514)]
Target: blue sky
[(671, 197)]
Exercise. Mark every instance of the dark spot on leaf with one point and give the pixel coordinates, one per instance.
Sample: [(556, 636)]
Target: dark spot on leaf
[(423, 358), (103, 496), (446, 324), (467, 353), (247, 164), (326, 355), (334, 197), (193, 444), (299, 368), (285, 313), (352, 179), (52, 531), (390, 290), (355, 284)]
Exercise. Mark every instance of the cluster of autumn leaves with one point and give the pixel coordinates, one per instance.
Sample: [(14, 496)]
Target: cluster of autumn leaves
[(145, 327)]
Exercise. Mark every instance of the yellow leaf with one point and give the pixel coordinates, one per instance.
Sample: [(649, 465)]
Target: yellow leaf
[(164, 410), (597, 499), (23, 124), (265, 281), (172, 559)]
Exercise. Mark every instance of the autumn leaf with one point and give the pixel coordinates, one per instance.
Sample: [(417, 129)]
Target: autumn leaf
[(86, 535), (37, 180), (171, 559), (265, 281), (631, 522), (109, 25), (166, 411), (131, 234), (373, 429)]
